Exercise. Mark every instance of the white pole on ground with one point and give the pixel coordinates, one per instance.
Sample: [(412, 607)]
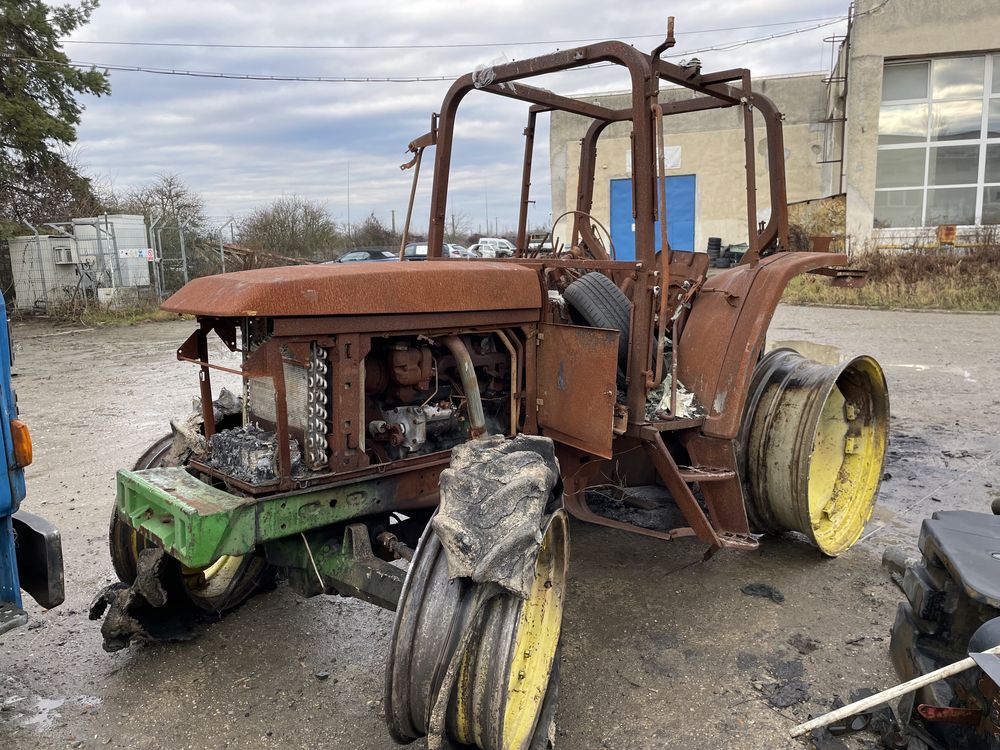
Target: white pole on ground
[(873, 701)]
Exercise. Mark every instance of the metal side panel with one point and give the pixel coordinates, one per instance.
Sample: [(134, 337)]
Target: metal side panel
[(577, 367)]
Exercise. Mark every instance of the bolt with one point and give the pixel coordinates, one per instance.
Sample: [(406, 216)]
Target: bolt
[(521, 675)]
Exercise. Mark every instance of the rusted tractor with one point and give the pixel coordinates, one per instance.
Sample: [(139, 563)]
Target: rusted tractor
[(453, 413)]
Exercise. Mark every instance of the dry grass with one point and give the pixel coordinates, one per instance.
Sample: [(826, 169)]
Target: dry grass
[(102, 316), (938, 279)]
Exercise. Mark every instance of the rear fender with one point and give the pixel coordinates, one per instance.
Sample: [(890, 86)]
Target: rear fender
[(725, 330)]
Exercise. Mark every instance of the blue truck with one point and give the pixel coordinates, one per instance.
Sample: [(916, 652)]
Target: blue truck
[(30, 546)]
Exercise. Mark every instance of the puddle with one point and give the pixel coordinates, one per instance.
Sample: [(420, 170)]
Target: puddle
[(44, 713), (961, 372), (823, 353)]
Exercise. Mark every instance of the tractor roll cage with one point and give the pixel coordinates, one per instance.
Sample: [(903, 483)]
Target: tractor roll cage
[(720, 90)]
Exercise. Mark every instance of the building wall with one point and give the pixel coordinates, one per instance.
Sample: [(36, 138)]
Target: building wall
[(901, 29), (712, 148)]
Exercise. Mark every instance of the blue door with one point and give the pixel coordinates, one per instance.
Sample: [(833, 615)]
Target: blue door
[(680, 216)]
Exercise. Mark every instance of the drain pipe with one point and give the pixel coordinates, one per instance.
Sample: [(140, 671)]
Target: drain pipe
[(467, 372)]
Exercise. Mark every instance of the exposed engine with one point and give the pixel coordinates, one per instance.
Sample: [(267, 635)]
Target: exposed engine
[(415, 402)]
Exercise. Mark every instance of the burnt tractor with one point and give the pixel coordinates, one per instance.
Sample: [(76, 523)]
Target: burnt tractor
[(453, 413)]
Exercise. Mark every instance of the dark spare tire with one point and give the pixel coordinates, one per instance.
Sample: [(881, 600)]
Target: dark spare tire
[(594, 300)]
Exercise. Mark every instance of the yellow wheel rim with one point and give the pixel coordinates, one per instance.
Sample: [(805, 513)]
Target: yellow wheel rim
[(845, 467), (536, 638), (212, 580)]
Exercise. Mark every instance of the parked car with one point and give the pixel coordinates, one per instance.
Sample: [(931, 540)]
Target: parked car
[(501, 248), (457, 251), (418, 251), (367, 254)]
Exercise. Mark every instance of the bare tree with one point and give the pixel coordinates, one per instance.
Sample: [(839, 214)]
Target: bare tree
[(373, 233), (458, 228), (295, 227), (167, 196), (180, 208)]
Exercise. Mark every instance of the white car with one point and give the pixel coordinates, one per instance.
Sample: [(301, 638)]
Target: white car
[(418, 251), (498, 247)]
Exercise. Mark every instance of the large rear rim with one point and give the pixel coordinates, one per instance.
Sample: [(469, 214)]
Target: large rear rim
[(813, 445)]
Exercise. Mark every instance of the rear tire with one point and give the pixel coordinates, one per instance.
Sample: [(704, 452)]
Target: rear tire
[(219, 587)]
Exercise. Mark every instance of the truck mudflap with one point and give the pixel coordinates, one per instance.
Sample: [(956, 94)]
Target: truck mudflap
[(39, 558)]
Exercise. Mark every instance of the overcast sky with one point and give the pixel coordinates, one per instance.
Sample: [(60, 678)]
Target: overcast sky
[(243, 143)]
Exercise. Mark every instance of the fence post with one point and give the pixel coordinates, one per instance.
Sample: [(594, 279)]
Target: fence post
[(184, 259)]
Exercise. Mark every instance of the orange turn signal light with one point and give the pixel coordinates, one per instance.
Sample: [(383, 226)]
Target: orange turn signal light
[(22, 442)]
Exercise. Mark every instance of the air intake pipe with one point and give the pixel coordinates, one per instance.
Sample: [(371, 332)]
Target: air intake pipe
[(470, 383)]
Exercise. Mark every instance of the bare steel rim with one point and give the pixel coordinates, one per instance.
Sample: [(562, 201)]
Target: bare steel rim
[(472, 662), (813, 446)]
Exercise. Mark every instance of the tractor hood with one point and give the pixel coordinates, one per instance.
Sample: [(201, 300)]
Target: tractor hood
[(361, 289)]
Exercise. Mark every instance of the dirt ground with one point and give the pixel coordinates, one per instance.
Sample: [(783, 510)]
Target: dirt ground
[(661, 649)]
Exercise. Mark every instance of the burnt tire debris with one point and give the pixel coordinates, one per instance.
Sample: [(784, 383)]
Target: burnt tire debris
[(475, 642), (155, 598)]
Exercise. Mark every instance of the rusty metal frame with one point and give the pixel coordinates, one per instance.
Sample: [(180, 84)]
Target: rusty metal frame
[(717, 326)]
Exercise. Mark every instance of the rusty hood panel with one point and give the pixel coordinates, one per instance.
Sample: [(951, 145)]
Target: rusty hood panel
[(361, 289)]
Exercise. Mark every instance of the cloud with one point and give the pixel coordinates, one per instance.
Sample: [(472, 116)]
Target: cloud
[(243, 143)]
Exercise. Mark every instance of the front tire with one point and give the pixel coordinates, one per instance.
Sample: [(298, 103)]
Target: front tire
[(219, 587)]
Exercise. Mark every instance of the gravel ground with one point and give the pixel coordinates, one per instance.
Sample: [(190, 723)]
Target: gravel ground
[(661, 649)]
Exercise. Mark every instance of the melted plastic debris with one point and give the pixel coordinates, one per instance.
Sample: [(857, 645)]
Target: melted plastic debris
[(250, 454), (658, 401), (493, 498), (188, 438)]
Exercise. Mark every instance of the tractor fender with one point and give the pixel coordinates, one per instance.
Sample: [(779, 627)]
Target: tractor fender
[(725, 330)]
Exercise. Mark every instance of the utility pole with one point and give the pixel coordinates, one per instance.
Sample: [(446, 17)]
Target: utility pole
[(348, 202), (486, 196)]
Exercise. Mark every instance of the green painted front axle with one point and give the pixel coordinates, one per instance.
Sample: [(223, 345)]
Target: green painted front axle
[(198, 523)]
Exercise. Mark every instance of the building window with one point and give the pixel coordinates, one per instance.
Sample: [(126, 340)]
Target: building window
[(939, 143)]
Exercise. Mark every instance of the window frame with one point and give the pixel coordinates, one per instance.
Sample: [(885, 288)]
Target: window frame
[(988, 96)]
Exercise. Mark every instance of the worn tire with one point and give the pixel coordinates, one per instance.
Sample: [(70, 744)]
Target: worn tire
[(243, 576), (932, 629), (596, 301)]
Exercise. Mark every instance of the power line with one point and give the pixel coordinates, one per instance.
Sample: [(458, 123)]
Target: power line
[(395, 79), (231, 76), (220, 45)]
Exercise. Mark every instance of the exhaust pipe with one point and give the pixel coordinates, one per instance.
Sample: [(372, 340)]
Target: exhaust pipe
[(812, 447)]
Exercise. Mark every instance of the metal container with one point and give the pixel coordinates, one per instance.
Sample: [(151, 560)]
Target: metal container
[(813, 443)]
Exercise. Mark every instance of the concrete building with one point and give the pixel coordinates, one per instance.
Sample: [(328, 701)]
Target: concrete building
[(102, 259), (906, 127)]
